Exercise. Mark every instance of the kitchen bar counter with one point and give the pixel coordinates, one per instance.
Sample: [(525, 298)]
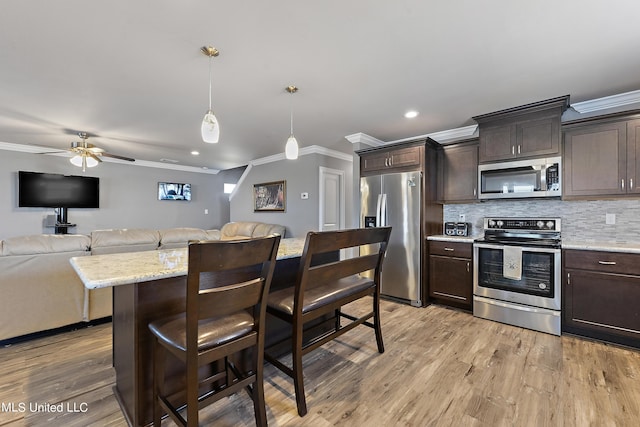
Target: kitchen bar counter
[(150, 285), (601, 246), (101, 271), (459, 239)]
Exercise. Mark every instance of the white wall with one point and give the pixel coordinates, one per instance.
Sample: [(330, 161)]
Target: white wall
[(301, 175), (128, 197)]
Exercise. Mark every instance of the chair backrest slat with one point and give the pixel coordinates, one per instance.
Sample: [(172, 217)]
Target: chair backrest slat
[(229, 299), (338, 270), (227, 276)]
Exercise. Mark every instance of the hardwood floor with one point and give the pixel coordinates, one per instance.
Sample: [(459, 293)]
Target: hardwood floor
[(441, 367)]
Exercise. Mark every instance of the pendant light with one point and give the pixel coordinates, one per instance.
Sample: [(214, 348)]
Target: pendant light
[(291, 149), (210, 128)]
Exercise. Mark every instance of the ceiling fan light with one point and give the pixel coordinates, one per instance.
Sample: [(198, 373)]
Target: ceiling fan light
[(291, 149), (210, 128), (91, 162), (76, 160)]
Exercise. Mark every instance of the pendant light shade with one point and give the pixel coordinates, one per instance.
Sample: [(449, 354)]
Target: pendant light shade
[(291, 148), (210, 128)]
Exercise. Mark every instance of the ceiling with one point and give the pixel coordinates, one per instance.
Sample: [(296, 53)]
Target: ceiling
[(131, 74)]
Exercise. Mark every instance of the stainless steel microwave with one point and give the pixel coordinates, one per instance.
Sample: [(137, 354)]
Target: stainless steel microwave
[(522, 178)]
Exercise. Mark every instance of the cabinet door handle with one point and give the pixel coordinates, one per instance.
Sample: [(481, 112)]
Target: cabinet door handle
[(513, 150), (568, 278), (630, 183), (391, 161), (607, 262), (468, 266), (449, 249), (518, 149), (622, 183), (475, 192)]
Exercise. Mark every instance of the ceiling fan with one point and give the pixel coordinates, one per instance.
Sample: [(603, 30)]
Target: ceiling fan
[(88, 155)]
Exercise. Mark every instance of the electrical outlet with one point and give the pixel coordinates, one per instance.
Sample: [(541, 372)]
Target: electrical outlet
[(610, 219), (206, 211), (462, 218)]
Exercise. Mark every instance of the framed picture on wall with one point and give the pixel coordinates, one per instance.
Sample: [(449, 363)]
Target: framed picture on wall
[(270, 196)]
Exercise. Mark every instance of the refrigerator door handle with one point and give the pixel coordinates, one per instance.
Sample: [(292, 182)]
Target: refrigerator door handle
[(383, 211), (378, 209)]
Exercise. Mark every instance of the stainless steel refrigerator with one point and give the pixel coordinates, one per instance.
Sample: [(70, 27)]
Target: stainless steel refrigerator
[(395, 200)]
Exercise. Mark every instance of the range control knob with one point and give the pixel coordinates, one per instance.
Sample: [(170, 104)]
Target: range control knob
[(492, 223), (550, 224), (500, 223), (540, 224)]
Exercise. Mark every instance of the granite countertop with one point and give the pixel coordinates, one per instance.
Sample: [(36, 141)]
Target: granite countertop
[(102, 271), (602, 246), (460, 239)]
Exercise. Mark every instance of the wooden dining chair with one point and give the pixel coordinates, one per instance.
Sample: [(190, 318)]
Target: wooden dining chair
[(322, 287), (226, 285)]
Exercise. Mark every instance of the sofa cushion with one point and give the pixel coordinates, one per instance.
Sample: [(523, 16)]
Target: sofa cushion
[(180, 237), (45, 243), (211, 235), (124, 240), (263, 230), (237, 230)]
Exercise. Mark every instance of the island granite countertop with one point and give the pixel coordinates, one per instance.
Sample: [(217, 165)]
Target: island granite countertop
[(103, 271)]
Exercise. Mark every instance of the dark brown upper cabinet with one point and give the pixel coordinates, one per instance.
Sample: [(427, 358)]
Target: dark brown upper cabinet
[(602, 158), (392, 159), (458, 172), (532, 130)]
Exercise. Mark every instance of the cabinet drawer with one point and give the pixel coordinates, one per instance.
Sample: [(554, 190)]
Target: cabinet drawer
[(605, 262), (451, 249)]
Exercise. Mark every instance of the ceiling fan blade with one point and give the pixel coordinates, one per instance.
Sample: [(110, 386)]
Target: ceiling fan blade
[(53, 152), (128, 159), (93, 156)]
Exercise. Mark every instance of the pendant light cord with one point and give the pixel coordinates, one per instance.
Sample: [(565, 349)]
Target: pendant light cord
[(209, 82), (291, 111)]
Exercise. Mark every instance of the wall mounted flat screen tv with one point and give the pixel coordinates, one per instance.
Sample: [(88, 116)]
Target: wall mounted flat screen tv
[(174, 191), (50, 190)]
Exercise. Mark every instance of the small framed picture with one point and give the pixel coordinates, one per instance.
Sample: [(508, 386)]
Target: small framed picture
[(270, 196)]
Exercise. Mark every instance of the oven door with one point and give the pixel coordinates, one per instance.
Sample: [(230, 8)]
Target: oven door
[(539, 283)]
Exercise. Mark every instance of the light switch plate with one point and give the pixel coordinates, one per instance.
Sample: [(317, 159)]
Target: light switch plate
[(304, 196)]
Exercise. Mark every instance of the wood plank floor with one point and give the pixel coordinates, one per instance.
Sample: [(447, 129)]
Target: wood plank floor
[(442, 367)]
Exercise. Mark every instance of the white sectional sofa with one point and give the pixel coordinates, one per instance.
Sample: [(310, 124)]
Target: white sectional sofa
[(40, 290)]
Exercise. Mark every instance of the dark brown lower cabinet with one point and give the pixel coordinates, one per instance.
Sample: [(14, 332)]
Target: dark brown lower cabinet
[(451, 273), (601, 296)]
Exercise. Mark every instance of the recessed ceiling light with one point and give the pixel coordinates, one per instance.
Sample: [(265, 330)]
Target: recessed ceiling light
[(195, 153), (411, 114)]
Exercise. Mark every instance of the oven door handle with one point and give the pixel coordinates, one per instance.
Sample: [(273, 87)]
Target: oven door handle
[(516, 306)]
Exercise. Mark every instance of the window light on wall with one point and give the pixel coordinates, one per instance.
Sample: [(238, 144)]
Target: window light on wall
[(228, 188)]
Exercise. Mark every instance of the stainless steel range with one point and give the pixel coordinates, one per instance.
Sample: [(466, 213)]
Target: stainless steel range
[(516, 273)]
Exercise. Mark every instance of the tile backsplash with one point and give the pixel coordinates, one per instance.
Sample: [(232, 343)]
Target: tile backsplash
[(581, 220)]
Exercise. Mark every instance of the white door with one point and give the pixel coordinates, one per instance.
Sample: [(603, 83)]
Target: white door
[(332, 203)]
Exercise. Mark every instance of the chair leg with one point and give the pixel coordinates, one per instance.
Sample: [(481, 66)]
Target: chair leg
[(192, 394), (337, 314), (298, 379), (258, 391), (376, 322), (158, 381)]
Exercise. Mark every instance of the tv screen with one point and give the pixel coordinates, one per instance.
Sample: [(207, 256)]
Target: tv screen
[(49, 190), (174, 191)]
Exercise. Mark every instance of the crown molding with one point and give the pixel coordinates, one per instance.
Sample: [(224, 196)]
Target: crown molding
[(35, 149), (445, 135), (364, 139), (607, 102), (312, 149)]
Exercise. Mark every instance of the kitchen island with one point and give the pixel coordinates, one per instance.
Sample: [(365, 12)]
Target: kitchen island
[(152, 285)]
